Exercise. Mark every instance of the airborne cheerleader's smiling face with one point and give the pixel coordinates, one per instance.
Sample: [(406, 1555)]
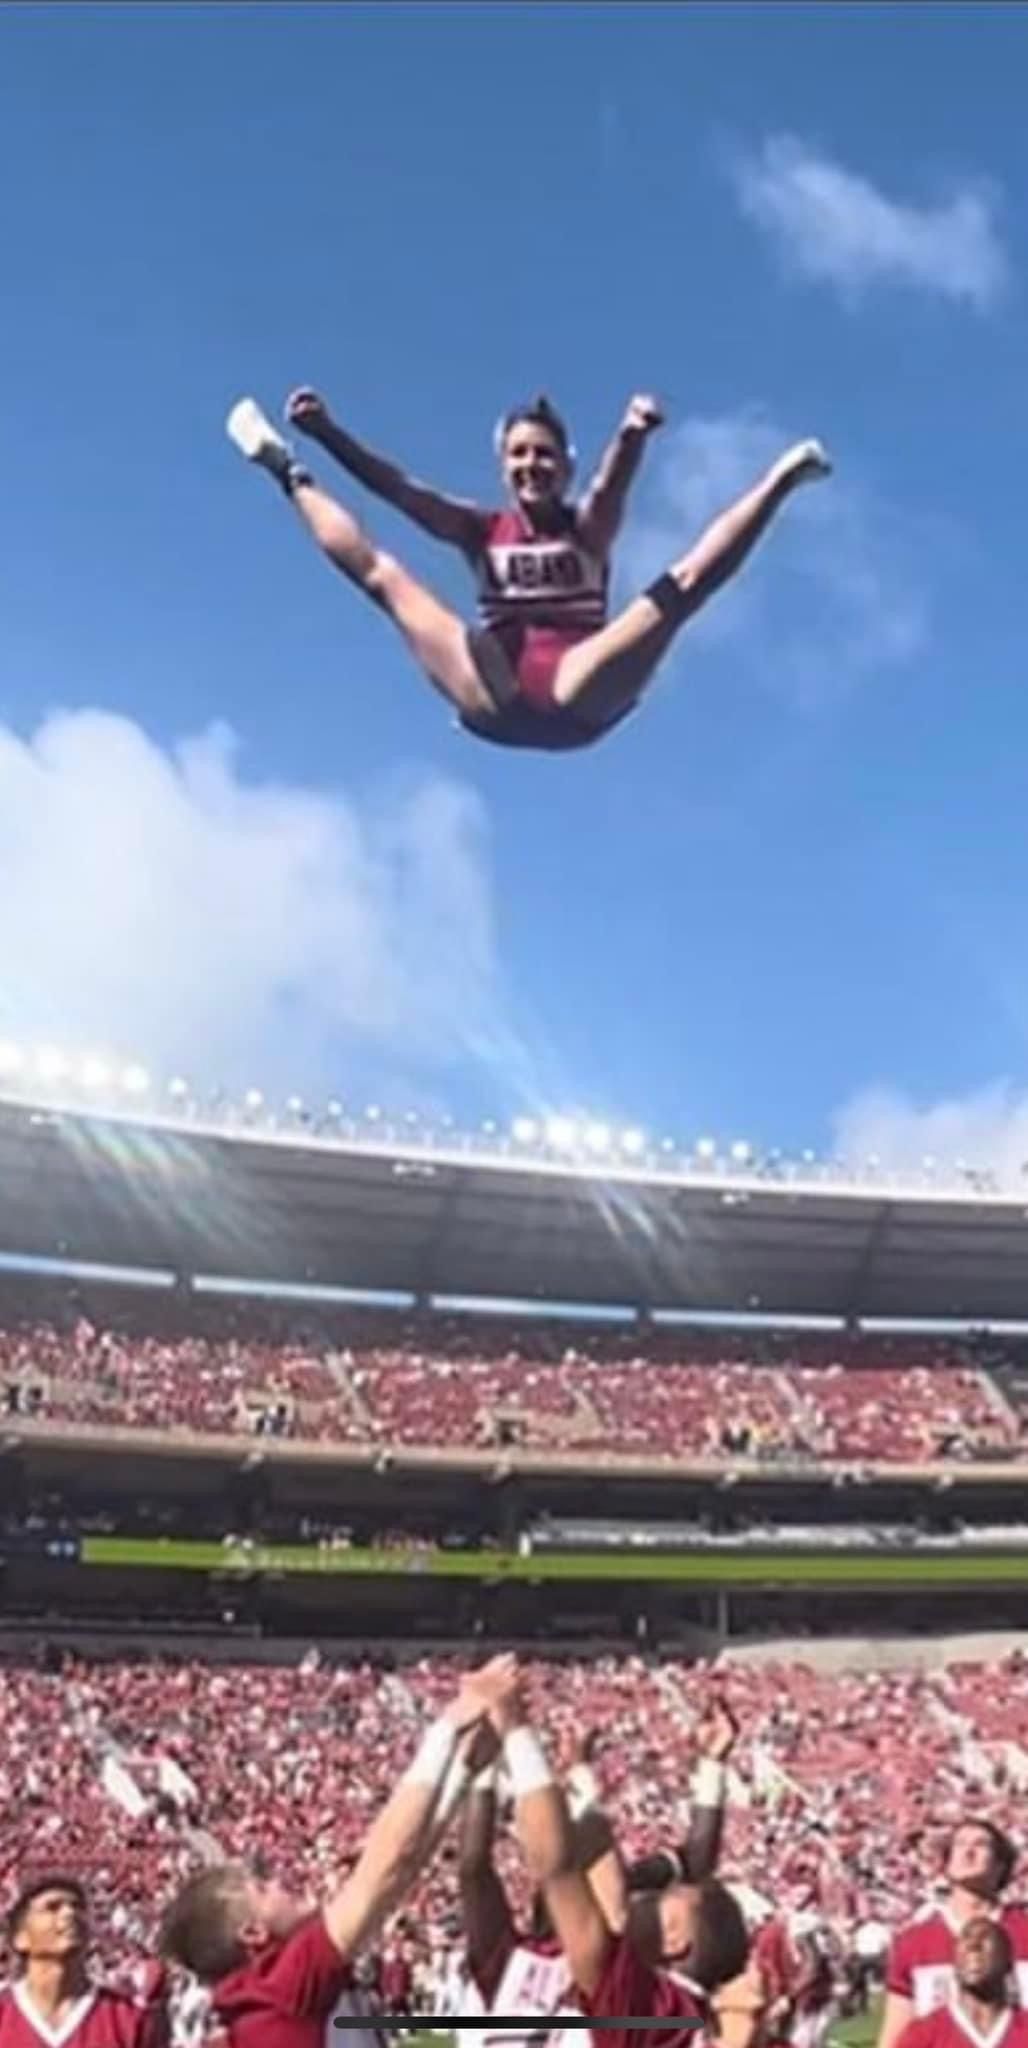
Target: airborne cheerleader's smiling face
[(536, 466)]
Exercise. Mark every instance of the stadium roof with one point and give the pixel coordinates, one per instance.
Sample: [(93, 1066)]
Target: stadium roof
[(300, 1209)]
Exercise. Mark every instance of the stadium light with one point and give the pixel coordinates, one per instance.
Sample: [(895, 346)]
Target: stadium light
[(561, 1133)]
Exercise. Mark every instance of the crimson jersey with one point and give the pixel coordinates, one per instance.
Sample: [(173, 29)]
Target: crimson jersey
[(920, 1963), (951, 2028), (538, 594), (101, 2019), (294, 1995), (631, 1989), (539, 579), (529, 1983), (791, 1969)]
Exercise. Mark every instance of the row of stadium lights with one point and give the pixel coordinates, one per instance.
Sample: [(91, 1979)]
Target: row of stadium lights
[(98, 1077), (564, 1135), (52, 1068), (556, 1133)]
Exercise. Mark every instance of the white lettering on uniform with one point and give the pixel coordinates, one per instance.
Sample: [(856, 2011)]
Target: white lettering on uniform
[(534, 1986), (932, 1985), (517, 571)]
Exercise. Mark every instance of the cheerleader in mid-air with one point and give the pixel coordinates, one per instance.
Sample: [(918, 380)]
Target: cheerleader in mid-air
[(545, 666)]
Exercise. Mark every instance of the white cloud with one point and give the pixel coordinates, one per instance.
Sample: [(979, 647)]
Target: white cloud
[(833, 225), (162, 904), (832, 591), (986, 1131)]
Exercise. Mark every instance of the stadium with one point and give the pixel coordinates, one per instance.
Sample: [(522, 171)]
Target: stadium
[(300, 1413), (512, 628)]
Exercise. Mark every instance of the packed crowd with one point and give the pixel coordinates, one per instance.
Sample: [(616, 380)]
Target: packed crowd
[(482, 1383), (840, 1793)]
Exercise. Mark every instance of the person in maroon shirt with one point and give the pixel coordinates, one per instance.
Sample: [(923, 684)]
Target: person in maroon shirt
[(53, 2002), (281, 1973), (980, 1864), (490, 1933), (546, 667), (743, 2011), (980, 2012), (678, 1945), (396, 1985)]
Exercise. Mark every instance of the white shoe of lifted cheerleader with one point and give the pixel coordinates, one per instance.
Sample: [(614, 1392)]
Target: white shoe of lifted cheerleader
[(252, 433)]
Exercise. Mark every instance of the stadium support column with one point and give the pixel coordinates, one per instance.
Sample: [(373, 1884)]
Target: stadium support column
[(13, 1488), (510, 1502), (861, 1286)]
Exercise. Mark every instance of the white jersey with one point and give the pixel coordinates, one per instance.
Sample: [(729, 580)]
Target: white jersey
[(533, 1995)]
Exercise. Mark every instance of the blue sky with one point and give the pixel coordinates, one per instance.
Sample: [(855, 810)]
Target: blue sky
[(239, 835)]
